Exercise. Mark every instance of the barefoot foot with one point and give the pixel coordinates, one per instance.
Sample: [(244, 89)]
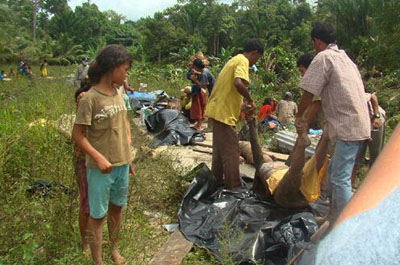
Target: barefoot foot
[(117, 258)]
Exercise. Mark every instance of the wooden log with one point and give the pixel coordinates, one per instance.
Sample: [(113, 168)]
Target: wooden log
[(173, 251)]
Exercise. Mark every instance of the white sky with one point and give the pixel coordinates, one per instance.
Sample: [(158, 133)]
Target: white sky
[(132, 9)]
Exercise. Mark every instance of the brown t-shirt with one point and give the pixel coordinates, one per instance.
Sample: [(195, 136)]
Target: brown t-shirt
[(106, 118)]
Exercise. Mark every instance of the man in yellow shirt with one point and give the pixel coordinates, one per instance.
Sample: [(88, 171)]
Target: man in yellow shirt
[(223, 111)]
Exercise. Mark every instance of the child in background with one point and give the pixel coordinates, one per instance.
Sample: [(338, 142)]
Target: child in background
[(80, 172), (186, 101), (102, 130), (199, 86)]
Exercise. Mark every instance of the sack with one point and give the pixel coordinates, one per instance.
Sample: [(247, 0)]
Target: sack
[(276, 178), (311, 180)]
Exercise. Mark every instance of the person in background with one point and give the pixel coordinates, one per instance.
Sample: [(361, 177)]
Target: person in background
[(333, 76), (12, 74), (43, 68), (21, 67), (287, 110), (186, 101), (2, 75), (81, 178), (81, 72), (314, 112), (24, 69), (199, 83), (223, 111), (274, 106), (208, 76), (375, 146), (103, 132), (264, 117), (124, 89), (265, 110)]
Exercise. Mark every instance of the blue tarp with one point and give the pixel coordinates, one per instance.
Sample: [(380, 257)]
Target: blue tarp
[(141, 95)]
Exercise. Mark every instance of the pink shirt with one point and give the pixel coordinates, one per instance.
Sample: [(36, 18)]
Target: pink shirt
[(335, 78)]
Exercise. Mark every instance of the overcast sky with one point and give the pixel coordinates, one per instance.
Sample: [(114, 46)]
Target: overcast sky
[(132, 9)]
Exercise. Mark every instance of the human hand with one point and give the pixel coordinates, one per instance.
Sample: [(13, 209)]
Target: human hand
[(300, 125), (104, 165), (248, 108), (376, 123), (80, 97), (131, 169), (127, 87)]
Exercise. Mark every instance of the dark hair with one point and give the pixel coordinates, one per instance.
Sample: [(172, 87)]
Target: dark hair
[(324, 31), (85, 86), (267, 101), (254, 45), (107, 60), (198, 63), (305, 60)]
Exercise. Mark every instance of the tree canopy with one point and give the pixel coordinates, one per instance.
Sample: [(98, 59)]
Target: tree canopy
[(38, 29)]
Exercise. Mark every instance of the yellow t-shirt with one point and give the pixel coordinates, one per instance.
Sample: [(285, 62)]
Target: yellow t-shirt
[(225, 101)]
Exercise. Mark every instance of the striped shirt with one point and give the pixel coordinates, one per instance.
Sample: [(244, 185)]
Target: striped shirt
[(335, 78)]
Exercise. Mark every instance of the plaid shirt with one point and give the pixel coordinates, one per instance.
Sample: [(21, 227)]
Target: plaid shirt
[(336, 79)]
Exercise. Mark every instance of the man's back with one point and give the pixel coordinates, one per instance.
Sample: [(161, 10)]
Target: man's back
[(333, 76), (287, 110)]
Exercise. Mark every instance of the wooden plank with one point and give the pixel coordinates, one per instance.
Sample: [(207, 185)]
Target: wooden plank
[(202, 150), (203, 144), (278, 156), (174, 251)]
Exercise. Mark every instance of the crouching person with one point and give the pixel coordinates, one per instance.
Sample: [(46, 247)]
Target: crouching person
[(102, 130)]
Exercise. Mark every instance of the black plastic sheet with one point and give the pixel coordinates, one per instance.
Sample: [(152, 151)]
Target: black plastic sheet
[(172, 128), (237, 225), (48, 189)]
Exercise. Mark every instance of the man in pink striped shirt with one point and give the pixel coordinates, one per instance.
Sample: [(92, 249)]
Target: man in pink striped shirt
[(335, 78)]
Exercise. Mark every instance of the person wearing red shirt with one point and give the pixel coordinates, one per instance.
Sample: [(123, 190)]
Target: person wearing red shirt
[(265, 110)]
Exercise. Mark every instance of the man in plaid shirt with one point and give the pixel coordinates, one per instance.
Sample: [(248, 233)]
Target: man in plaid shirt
[(335, 78)]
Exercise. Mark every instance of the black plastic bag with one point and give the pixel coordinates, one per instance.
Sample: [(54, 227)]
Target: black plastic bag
[(238, 225), (172, 128)]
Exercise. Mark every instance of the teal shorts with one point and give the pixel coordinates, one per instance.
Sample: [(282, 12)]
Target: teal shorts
[(104, 189)]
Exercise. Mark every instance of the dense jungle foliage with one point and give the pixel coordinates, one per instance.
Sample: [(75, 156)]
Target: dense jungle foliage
[(38, 29)]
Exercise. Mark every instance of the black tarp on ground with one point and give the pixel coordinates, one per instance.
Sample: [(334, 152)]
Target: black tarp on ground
[(172, 128), (238, 225)]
